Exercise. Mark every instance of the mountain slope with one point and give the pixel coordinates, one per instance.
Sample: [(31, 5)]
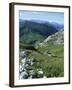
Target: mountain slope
[(35, 31), (46, 56), (57, 38)]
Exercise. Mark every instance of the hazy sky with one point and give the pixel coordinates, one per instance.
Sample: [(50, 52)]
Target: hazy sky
[(57, 17)]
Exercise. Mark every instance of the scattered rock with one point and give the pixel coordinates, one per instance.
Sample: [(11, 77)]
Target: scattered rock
[(40, 74), (24, 75), (44, 77), (26, 70)]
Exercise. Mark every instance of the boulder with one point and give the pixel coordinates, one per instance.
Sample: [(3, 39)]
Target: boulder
[(40, 74), (24, 75)]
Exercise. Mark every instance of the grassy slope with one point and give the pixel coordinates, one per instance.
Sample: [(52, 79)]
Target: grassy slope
[(29, 37), (52, 62)]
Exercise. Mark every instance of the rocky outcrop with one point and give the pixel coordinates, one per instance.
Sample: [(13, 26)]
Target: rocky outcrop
[(26, 71), (57, 38)]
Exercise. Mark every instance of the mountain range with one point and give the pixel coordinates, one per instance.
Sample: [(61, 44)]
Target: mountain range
[(31, 31)]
